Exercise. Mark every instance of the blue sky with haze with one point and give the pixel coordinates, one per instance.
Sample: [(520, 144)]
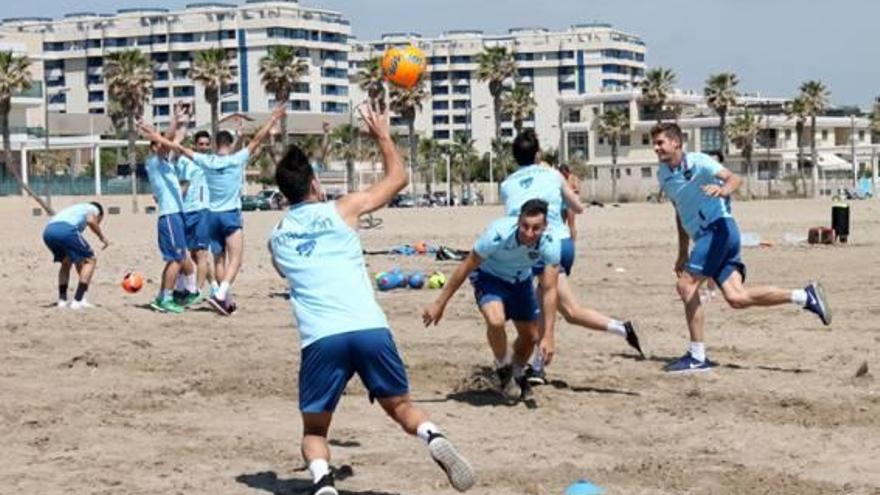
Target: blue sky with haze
[(773, 45)]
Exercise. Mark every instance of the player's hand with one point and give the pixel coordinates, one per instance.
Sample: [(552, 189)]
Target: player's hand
[(279, 111), (432, 314), (376, 119), (713, 191), (106, 244), (679, 265), (547, 346)]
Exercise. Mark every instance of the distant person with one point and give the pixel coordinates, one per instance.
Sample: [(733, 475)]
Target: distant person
[(697, 186), (342, 329), (532, 180), (196, 217), (63, 236), (500, 270)]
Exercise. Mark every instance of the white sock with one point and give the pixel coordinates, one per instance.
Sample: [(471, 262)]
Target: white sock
[(222, 291), (180, 284), (537, 360), (166, 295), (500, 363), (799, 297), (698, 350), (425, 430), (214, 286), (191, 286), (319, 468), (616, 326)]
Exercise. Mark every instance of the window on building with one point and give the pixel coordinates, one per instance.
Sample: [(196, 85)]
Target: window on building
[(300, 105), (507, 132), (181, 73), (94, 79), (624, 139), (440, 120), (161, 110), (334, 55), (334, 73), (440, 105), (567, 85), (461, 74), (616, 172), (461, 59), (460, 119), (334, 107), (436, 60), (161, 75), (58, 98), (574, 115), (646, 139), (459, 135), (160, 92), (440, 90), (629, 172), (441, 134), (229, 106), (578, 145), (159, 57), (565, 71), (460, 104), (328, 37), (526, 72), (54, 64), (461, 90), (439, 76), (181, 57), (334, 90), (98, 111), (524, 56), (710, 139), (825, 135), (861, 135), (183, 37), (94, 62), (184, 91), (646, 173), (566, 54)]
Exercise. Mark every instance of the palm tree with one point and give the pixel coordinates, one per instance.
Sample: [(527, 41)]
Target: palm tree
[(797, 109), (743, 130), (430, 152), (463, 158), (15, 77), (519, 104), (406, 102), (344, 141), (495, 66), (371, 79), (280, 70), (128, 75), (211, 69), (656, 86), (720, 93), (612, 125), (815, 96)]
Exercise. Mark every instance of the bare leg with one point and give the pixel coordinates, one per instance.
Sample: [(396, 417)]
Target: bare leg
[(526, 339), (576, 314), (201, 258), (741, 297), (169, 274), (220, 266), (493, 313), (64, 272), (234, 251), (85, 269), (404, 413), (688, 289), (314, 442)]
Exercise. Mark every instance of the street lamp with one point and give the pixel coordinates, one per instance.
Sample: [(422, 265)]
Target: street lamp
[(50, 171)]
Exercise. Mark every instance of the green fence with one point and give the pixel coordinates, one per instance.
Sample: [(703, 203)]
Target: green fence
[(75, 186)]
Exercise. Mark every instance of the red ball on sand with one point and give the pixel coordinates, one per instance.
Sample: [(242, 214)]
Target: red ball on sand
[(132, 282)]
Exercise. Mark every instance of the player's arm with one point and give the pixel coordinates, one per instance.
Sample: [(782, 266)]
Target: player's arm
[(150, 133), (434, 312), (261, 135), (274, 263), (352, 206), (683, 244), (549, 278), (571, 199), (731, 183), (571, 221), (92, 222)]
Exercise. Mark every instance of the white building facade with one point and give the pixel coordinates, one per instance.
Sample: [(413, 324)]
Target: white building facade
[(585, 59)]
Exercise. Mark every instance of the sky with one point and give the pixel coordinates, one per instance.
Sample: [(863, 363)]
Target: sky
[(772, 45)]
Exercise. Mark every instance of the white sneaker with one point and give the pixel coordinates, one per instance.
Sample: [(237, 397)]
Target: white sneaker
[(77, 305), (61, 304)]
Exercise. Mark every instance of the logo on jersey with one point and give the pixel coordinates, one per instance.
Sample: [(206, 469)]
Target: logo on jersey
[(526, 183), (533, 255), (306, 248)]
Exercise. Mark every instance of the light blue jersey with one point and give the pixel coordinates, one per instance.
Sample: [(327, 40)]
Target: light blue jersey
[(166, 185), (536, 182), (224, 175), (196, 197), (76, 215), (322, 259), (507, 258), (683, 185)]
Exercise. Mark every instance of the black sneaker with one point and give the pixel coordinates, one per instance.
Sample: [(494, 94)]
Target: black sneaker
[(632, 339), (525, 389), (324, 486), (506, 385), (536, 377), (220, 306), (456, 467)]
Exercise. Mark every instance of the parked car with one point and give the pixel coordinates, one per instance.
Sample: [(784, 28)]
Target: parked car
[(276, 200), (402, 201), (438, 198), (252, 203)]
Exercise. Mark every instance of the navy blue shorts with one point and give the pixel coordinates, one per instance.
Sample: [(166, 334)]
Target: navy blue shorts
[(222, 225), (197, 225), (519, 300), (328, 364), (66, 241), (566, 258), (716, 254), (172, 237)]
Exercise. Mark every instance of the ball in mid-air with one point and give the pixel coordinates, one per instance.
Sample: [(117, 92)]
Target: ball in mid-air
[(403, 67)]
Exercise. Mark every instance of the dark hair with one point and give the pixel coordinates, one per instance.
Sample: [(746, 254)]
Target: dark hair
[(565, 170), (200, 135), (669, 129), (526, 147), (224, 138), (99, 207), (533, 207), (294, 175)]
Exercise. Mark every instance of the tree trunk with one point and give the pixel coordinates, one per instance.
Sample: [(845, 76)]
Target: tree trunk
[(814, 156), (723, 125), (518, 125), (132, 161), (747, 155), (215, 118), (614, 171), (7, 155), (496, 108), (799, 136), (413, 151)]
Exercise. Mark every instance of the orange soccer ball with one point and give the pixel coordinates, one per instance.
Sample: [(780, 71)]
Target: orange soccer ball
[(403, 67), (132, 282)]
